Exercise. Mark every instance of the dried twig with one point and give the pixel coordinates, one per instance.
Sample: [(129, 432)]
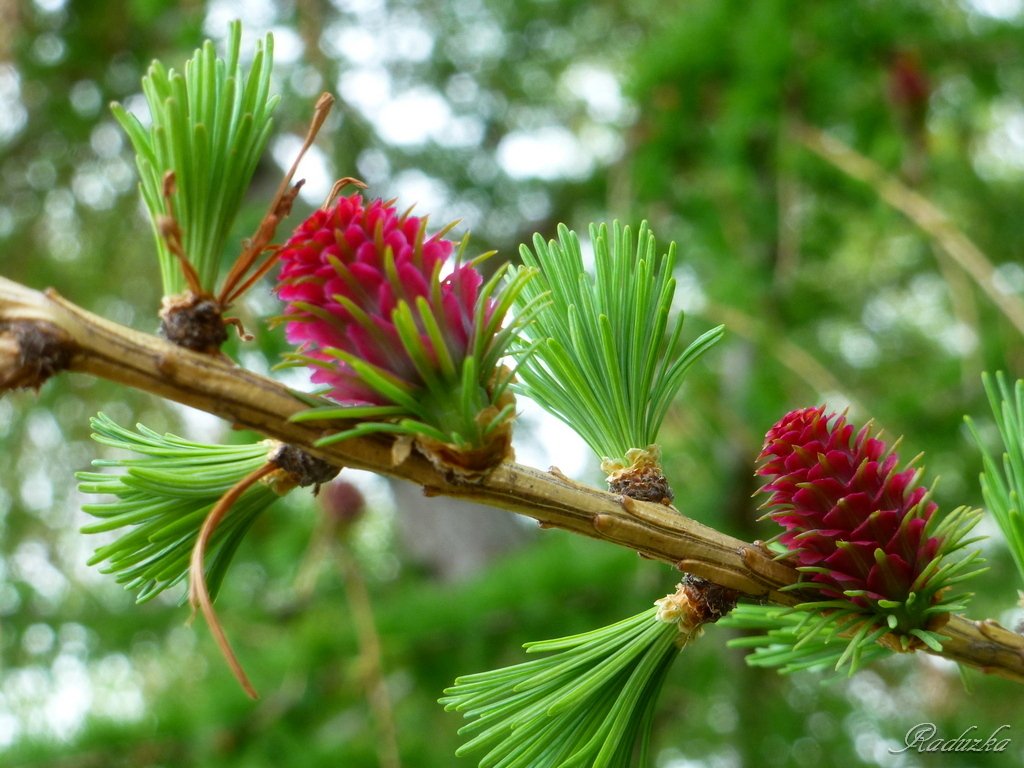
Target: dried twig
[(244, 272), (198, 594)]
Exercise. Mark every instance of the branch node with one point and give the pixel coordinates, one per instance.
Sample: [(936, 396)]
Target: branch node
[(193, 321), (300, 468), (31, 352)]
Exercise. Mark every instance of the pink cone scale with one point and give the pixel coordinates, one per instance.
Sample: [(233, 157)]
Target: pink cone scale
[(406, 337), (853, 522), (344, 272)]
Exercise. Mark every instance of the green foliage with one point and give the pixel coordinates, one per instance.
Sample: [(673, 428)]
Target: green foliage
[(1003, 487), (209, 128), (162, 500), (806, 638), (589, 703), (827, 292), (606, 359)]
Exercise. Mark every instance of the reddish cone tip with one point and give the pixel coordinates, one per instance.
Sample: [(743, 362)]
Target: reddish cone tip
[(848, 515), (346, 269)]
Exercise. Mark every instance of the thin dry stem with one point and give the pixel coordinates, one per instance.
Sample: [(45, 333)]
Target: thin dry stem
[(336, 188), (198, 594), (242, 275), (170, 231)]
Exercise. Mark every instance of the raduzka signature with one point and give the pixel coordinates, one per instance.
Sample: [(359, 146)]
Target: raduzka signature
[(922, 738)]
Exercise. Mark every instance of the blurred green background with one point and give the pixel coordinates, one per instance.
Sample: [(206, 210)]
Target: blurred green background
[(513, 117)]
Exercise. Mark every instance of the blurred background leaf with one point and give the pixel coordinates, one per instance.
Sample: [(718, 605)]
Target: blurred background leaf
[(513, 117)]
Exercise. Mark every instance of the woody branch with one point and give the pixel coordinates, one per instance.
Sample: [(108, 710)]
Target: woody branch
[(42, 334)]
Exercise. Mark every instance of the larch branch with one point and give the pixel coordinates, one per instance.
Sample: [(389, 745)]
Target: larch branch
[(92, 345)]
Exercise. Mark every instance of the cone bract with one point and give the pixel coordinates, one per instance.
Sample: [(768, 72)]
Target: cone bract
[(853, 521), (406, 336), (344, 272)]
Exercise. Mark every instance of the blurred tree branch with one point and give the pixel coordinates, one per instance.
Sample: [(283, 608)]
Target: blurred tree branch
[(928, 217), (80, 341)]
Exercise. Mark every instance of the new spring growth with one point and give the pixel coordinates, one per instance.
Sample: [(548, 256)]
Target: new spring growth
[(607, 352), (861, 529), (590, 698), (404, 333)]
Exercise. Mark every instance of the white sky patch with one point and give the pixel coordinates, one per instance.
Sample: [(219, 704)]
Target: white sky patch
[(297, 378), (461, 88), (689, 297), (86, 98), (1000, 153), (43, 431), (288, 46), (477, 42), (255, 15), (315, 167), (429, 195), (137, 106), (542, 440), (69, 701), (12, 111), (48, 49), (97, 184), (36, 491), (460, 131), (107, 140), (57, 700), (374, 166), (408, 40), (359, 7), (959, 338), (32, 565), (367, 88), (413, 117), (1009, 278), (854, 344), (672, 759), (603, 142), (355, 44), (547, 153), (200, 426), (6, 221), (50, 6), (598, 88), (1004, 10), (534, 205)]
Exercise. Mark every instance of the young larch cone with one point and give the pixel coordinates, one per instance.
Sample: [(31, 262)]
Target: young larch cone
[(408, 338), (344, 272), (852, 520)]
